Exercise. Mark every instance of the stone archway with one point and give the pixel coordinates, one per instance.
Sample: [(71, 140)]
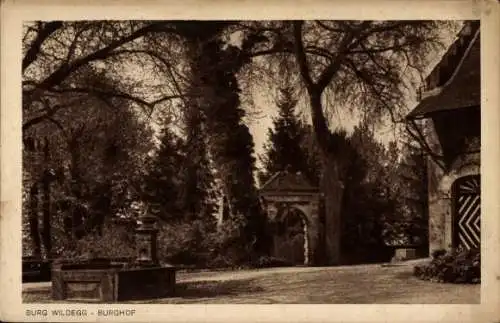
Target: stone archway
[(290, 197)]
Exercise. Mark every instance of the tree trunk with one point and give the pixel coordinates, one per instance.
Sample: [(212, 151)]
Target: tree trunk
[(331, 181), (47, 178), (33, 220), (333, 190), (77, 211), (46, 234), (101, 209)]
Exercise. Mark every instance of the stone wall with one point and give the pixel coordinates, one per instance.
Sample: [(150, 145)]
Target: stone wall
[(440, 191)]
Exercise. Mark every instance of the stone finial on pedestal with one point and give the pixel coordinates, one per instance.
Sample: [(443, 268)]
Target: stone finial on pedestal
[(147, 240)]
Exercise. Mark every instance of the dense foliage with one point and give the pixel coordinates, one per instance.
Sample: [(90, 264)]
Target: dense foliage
[(410, 226), (115, 241), (462, 266), (96, 155), (163, 181), (87, 116)]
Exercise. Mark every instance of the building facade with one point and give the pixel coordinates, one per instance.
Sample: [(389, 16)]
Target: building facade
[(447, 123)]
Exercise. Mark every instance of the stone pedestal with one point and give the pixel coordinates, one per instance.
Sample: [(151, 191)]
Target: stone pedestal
[(146, 236)]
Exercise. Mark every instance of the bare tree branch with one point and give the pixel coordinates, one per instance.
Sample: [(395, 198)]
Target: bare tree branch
[(301, 55), (318, 51), (320, 125), (417, 135), (66, 69), (376, 92), (121, 95), (329, 28), (347, 42), (50, 112), (44, 33), (154, 55), (72, 47)]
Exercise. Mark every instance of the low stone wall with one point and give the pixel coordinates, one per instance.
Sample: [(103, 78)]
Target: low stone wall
[(144, 283), (111, 282)]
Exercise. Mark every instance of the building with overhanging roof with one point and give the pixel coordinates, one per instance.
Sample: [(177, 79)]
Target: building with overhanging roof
[(447, 123)]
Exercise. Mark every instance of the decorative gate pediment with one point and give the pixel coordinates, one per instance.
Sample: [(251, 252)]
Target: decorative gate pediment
[(289, 183)]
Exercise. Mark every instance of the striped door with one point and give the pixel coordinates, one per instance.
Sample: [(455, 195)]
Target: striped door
[(467, 211)]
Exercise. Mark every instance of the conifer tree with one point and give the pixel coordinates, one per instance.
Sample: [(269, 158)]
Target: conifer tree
[(163, 181), (367, 201), (412, 221), (214, 66), (286, 140)]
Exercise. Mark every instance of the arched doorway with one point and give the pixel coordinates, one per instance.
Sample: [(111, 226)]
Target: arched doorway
[(466, 194), (290, 237), (292, 205)]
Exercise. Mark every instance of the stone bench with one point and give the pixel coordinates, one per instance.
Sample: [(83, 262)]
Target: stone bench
[(406, 252)]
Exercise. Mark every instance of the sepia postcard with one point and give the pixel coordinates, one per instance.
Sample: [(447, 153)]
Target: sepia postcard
[(298, 161)]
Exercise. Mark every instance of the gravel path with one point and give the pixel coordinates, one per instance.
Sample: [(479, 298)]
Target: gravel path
[(363, 284)]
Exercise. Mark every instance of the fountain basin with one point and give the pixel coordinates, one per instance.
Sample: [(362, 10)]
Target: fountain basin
[(107, 281), (35, 269)]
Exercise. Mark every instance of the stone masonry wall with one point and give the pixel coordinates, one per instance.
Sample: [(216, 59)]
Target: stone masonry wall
[(440, 195)]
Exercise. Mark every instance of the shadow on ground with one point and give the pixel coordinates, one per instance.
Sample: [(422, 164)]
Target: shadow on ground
[(209, 289), (184, 290)]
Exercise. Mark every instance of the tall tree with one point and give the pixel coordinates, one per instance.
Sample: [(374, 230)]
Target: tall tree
[(198, 177), (285, 148), (410, 225), (163, 182), (367, 200), (362, 64), (95, 151), (214, 65), (56, 51)]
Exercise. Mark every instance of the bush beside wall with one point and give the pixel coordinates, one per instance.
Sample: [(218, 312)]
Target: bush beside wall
[(460, 267)]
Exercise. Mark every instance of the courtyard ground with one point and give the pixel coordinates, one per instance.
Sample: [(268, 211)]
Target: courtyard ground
[(362, 284)]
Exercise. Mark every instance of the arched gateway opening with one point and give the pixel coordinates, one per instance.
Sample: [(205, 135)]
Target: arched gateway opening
[(292, 209), (290, 237)]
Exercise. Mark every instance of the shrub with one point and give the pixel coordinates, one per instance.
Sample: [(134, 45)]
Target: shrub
[(460, 267), (438, 253), (203, 245), (115, 242), (269, 261), (184, 243), (229, 248)]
